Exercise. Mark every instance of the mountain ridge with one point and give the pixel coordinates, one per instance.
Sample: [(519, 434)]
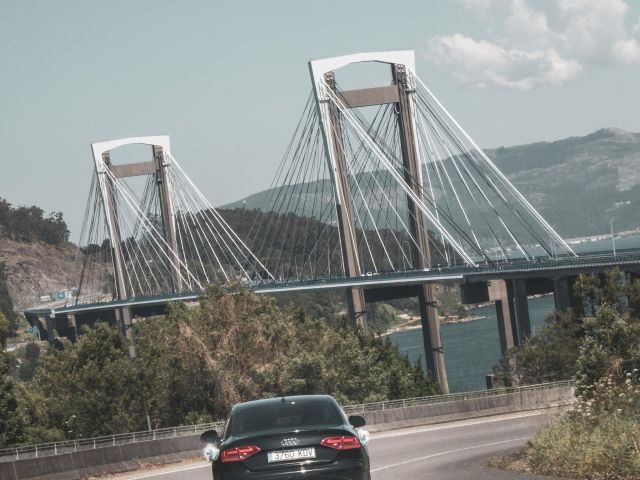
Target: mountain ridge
[(578, 182)]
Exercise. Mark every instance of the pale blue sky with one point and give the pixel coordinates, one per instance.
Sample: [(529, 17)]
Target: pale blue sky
[(228, 80)]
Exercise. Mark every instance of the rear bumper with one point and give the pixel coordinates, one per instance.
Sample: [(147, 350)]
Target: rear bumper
[(351, 469)]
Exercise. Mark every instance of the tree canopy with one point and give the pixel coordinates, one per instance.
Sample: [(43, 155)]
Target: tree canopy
[(195, 363), (29, 224)]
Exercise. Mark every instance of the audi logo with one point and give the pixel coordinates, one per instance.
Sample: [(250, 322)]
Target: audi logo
[(289, 442)]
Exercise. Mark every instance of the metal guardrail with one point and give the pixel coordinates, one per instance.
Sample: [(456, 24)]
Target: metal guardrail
[(70, 446), (59, 448), (413, 402)]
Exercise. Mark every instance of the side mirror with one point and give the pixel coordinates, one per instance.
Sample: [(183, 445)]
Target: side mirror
[(357, 421), (210, 436)]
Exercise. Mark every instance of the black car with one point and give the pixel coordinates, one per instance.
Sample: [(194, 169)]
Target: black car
[(290, 438)]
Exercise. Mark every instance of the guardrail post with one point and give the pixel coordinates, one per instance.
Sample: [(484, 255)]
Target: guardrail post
[(17, 455), (134, 438), (75, 446), (94, 443), (36, 451), (55, 448), (154, 434), (175, 433), (113, 438)]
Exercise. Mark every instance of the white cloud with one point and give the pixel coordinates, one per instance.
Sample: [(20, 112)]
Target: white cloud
[(550, 44), (588, 28), (626, 51), (484, 64), (636, 28), (526, 24)]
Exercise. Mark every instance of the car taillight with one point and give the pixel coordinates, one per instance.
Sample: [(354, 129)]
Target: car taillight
[(341, 443), (238, 454)]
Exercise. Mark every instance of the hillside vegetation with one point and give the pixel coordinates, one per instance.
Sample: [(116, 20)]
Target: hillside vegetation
[(600, 348)]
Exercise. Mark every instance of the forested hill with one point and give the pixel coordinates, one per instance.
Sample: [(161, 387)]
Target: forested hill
[(29, 224), (578, 183), (35, 256)]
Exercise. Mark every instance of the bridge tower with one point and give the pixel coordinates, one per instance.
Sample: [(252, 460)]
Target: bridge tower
[(108, 173), (401, 93)]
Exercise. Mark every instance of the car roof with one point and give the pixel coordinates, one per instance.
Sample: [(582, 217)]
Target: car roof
[(287, 399)]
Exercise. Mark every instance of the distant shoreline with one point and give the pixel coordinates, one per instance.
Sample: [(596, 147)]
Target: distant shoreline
[(410, 325)]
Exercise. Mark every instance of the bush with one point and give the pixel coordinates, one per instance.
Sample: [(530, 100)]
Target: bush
[(600, 438)]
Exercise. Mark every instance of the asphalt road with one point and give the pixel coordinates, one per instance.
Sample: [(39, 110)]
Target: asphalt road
[(450, 451)]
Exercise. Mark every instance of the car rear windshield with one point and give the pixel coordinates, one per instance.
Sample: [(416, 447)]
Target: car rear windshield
[(291, 415)]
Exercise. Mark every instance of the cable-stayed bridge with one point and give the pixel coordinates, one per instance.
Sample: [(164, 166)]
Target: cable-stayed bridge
[(380, 192)]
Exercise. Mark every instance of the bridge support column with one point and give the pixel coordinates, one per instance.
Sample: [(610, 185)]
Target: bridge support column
[(512, 311), (356, 307), (123, 318), (47, 322), (498, 295), (107, 174), (521, 309), (344, 210), (434, 354), (402, 94), (563, 293), (418, 225), (73, 327)]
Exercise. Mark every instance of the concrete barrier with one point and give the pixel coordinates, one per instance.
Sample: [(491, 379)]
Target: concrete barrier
[(122, 458), (463, 409), (115, 459)]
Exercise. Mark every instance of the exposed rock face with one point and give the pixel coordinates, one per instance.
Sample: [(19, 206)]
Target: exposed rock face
[(35, 269)]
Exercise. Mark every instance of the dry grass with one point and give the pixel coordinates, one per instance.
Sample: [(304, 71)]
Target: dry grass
[(598, 440)]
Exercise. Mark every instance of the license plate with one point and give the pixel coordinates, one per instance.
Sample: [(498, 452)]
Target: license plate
[(290, 455)]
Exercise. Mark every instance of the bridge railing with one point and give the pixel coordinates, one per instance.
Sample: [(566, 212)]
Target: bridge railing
[(62, 447)]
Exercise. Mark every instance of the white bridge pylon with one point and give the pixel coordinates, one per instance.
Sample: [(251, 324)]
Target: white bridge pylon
[(472, 209), (163, 238)]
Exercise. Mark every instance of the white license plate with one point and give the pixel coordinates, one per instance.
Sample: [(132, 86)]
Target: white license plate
[(290, 455)]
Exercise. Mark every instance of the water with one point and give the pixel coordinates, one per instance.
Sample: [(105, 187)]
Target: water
[(470, 349)]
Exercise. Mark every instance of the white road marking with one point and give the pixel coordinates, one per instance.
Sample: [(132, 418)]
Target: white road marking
[(440, 454), (168, 472), (462, 423)]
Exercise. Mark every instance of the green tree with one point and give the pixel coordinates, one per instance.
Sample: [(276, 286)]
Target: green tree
[(242, 347), (195, 363), (601, 338), (95, 385), (28, 224), (12, 425), (549, 355), (30, 361)]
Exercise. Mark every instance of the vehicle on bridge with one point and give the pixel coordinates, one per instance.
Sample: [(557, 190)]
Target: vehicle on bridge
[(298, 437)]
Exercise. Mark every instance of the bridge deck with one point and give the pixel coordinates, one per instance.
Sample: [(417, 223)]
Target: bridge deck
[(537, 267)]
